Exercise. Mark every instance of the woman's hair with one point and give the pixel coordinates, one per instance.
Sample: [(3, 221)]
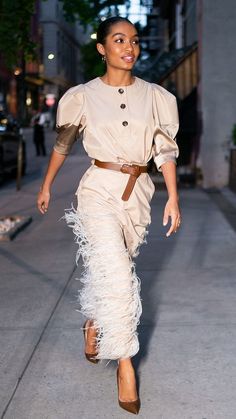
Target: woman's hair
[(105, 26)]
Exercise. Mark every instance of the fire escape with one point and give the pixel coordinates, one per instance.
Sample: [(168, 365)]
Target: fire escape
[(174, 65)]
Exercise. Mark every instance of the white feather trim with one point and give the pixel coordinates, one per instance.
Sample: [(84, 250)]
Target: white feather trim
[(111, 289)]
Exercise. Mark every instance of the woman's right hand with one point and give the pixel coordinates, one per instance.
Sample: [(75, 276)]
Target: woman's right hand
[(56, 161), (43, 200)]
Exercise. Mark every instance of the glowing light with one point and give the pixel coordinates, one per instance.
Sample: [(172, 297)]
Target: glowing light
[(28, 101), (17, 71), (50, 99), (51, 56), (93, 36)]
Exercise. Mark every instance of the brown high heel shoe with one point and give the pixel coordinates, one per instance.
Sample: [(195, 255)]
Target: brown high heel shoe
[(131, 407), (89, 356)]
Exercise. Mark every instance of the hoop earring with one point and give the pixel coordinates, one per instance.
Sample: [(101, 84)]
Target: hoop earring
[(104, 58)]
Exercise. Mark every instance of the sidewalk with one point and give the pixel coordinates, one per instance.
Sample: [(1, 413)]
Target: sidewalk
[(186, 365)]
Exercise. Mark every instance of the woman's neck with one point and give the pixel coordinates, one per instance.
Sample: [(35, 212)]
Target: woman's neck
[(118, 78)]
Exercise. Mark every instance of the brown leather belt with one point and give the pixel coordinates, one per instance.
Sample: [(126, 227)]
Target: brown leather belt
[(134, 170)]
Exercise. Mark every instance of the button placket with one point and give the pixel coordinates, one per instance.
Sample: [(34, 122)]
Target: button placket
[(123, 106)]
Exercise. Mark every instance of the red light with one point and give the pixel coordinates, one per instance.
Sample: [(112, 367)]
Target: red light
[(50, 100)]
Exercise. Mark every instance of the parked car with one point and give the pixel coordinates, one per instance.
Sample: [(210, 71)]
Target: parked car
[(8, 123), (11, 145)]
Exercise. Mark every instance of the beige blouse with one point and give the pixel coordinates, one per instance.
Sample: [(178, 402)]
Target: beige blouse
[(123, 124)]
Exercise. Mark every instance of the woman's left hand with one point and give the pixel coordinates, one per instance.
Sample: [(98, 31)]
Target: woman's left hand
[(172, 210)]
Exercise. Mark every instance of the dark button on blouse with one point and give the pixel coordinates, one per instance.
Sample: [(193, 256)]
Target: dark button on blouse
[(121, 91), (125, 123), (123, 106)]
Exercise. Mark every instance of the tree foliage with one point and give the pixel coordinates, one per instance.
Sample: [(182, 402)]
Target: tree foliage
[(16, 43), (88, 12), (15, 28), (91, 61)]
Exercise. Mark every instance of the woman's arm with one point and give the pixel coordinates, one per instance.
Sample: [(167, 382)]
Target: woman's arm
[(55, 163), (172, 206)]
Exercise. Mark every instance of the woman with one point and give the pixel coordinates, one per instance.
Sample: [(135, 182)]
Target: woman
[(124, 121), (39, 137)]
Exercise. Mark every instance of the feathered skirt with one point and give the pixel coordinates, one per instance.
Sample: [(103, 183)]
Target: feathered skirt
[(110, 293)]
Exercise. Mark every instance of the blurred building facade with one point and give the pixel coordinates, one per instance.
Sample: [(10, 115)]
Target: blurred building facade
[(61, 65), (173, 63), (6, 85), (57, 67), (196, 61), (217, 87), (61, 42)]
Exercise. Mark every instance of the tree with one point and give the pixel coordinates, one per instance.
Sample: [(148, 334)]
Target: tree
[(15, 40), (88, 12), (16, 45), (91, 61)]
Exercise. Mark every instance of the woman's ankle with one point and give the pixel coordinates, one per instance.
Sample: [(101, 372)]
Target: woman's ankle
[(125, 364)]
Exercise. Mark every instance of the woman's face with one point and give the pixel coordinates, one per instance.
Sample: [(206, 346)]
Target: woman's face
[(121, 47)]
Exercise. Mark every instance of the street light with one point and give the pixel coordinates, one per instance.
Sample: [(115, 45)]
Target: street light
[(28, 101), (17, 71), (51, 56)]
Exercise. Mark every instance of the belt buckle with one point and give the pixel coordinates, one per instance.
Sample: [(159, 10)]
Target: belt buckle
[(125, 167), (131, 169)]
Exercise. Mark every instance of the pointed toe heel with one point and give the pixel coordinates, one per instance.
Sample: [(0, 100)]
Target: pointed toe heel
[(132, 406), (91, 357)]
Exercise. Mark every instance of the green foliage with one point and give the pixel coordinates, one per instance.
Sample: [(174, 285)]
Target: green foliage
[(91, 60), (234, 134), (15, 42), (87, 12), (17, 45)]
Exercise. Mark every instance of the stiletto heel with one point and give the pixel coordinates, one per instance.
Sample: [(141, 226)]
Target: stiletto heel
[(89, 356), (131, 407)]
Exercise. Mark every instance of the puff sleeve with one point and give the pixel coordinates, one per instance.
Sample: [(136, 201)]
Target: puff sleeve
[(166, 120), (70, 120)]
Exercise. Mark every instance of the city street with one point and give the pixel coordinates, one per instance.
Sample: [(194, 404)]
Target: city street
[(186, 365)]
